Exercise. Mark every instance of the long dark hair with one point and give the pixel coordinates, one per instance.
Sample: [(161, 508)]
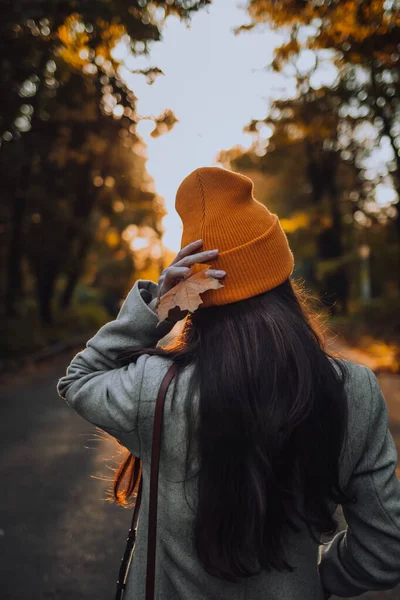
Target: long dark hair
[(272, 425)]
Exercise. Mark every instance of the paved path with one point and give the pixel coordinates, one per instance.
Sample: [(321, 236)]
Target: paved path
[(59, 538)]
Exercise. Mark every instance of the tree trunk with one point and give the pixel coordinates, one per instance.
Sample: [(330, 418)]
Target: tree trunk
[(322, 171), (14, 271), (387, 130), (75, 273), (81, 228), (340, 279), (45, 285), (15, 251)]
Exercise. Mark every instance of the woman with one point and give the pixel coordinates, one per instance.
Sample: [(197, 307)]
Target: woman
[(264, 433)]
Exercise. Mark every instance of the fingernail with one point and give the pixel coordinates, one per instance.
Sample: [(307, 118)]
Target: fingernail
[(212, 252), (198, 241)]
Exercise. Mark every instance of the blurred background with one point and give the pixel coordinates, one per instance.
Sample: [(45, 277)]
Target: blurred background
[(104, 108)]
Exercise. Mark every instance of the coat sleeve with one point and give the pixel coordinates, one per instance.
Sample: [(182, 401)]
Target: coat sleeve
[(96, 386), (366, 555)]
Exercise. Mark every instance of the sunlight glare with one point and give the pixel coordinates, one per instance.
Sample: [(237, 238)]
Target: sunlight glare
[(385, 195)]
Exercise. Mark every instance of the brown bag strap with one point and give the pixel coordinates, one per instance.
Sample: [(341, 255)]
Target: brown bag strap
[(155, 462), (152, 525)]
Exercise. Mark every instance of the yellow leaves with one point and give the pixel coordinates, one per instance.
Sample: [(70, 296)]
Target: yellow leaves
[(73, 31), (385, 355), (306, 220), (164, 123), (75, 49), (110, 34), (297, 221), (74, 39), (285, 52), (112, 238), (345, 25), (281, 13), (186, 294)]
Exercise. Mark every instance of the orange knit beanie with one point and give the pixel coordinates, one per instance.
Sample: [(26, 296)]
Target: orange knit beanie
[(217, 206)]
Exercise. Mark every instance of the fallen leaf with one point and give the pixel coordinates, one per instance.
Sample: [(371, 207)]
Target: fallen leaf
[(186, 293)]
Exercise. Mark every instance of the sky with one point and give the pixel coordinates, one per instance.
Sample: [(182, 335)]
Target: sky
[(216, 83)]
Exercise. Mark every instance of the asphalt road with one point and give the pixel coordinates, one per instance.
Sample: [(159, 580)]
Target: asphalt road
[(59, 537)]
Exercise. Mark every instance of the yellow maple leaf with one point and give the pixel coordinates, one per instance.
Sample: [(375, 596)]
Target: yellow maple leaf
[(186, 293)]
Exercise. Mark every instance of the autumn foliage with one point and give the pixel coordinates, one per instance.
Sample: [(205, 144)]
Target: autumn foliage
[(186, 294)]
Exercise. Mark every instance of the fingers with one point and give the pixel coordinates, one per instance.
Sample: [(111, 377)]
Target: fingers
[(185, 258), (216, 274), (169, 277), (189, 260), (187, 250), (173, 273)]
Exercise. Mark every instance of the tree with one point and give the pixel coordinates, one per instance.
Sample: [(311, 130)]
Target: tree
[(62, 93), (309, 183), (363, 41)]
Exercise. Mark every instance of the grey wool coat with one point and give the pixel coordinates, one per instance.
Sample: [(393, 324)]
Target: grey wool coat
[(121, 401)]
